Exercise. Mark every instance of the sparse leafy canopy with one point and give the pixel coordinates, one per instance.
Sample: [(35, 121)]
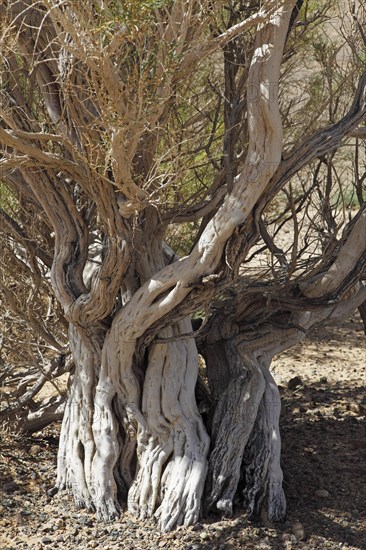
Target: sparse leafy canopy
[(154, 155)]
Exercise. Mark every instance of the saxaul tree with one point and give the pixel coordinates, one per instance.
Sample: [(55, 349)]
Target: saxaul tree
[(122, 125)]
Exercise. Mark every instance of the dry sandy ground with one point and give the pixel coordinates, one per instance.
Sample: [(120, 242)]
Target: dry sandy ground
[(324, 451)]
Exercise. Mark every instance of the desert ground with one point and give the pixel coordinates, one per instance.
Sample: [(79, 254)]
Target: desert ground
[(322, 382)]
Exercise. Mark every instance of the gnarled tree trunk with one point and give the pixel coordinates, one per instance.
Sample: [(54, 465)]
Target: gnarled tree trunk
[(172, 447), (132, 431), (172, 442), (245, 433)]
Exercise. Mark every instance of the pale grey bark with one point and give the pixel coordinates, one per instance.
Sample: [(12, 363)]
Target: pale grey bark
[(173, 446), (246, 402), (51, 410), (131, 428)]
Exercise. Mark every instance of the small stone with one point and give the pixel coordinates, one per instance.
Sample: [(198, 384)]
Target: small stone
[(48, 528), (294, 383), (204, 535), (114, 534), (46, 540), (59, 523), (197, 527), (323, 380), (298, 530), (52, 492), (354, 407), (10, 487), (48, 509), (35, 450), (8, 503), (322, 493)]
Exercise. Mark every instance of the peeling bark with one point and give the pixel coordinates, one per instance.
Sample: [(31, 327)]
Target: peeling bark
[(172, 448), (245, 432), (246, 443), (131, 430)]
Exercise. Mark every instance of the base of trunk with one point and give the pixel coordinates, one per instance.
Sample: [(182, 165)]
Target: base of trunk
[(245, 435), (98, 461), (173, 446), (154, 454)]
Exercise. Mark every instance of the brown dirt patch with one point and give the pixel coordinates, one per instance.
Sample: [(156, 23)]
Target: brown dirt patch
[(324, 449)]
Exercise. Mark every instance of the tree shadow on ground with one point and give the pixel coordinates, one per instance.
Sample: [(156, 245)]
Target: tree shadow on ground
[(324, 448), (323, 459)]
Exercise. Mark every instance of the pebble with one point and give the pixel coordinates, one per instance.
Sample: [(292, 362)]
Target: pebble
[(59, 523), (298, 530), (8, 503), (354, 407), (52, 492), (48, 527), (35, 450), (294, 383), (322, 493), (197, 527), (10, 487)]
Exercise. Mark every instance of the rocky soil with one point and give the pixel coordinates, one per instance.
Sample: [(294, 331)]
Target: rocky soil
[(322, 382)]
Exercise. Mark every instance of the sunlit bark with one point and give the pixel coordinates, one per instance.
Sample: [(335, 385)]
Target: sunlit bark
[(109, 98)]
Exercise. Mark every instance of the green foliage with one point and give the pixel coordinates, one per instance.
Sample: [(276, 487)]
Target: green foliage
[(8, 200), (180, 237), (135, 15)]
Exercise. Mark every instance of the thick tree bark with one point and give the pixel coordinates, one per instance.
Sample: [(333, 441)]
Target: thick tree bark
[(103, 421), (77, 449), (245, 430), (246, 441), (173, 445)]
